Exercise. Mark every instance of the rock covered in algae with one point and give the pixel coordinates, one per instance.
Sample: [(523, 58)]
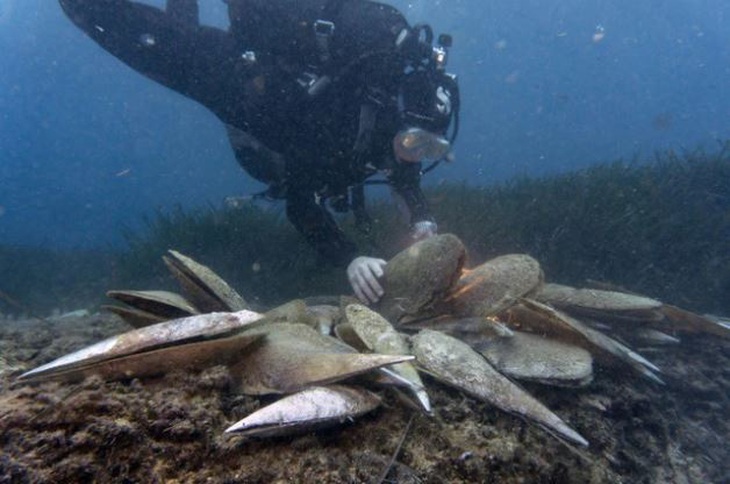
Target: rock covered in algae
[(417, 279)]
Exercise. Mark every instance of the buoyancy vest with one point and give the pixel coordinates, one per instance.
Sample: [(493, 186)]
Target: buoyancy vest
[(325, 36)]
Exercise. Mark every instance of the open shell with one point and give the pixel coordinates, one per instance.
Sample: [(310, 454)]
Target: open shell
[(540, 318), (207, 291), (294, 356), (134, 317), (162, 304), (147, 339)]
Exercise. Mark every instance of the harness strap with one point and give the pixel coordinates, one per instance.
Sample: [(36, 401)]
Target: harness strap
[(365, 127), (323, 31), (324, 28)]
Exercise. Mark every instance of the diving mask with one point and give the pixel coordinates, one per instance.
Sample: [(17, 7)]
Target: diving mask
[(416, 145)]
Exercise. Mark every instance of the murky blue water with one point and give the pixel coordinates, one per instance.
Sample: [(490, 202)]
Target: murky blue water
[(87, 144), (89, 147)]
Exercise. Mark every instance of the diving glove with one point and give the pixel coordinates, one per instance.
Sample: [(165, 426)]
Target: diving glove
[(363, 273)]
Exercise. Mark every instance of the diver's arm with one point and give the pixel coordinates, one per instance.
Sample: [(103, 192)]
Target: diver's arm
[(316, 225), (406, 182), (168, 47)]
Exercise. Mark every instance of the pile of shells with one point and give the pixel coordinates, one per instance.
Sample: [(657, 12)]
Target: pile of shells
[(477, 329)]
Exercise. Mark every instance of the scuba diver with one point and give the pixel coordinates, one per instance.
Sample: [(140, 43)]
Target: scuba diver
[(317, 96)]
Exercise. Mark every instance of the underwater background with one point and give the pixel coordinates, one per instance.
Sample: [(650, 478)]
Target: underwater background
[(102, 170), (88, 146), (595, 137)]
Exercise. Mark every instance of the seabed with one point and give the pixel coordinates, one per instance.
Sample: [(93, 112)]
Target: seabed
[(171, 429)]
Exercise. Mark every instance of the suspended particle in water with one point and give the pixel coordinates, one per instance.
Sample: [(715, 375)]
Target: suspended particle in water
[(249, 57), (255, 267), (598, 34), (148, 40), (235, 203)]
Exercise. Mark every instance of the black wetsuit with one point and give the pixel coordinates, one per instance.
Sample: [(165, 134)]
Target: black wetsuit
[(317, 144)]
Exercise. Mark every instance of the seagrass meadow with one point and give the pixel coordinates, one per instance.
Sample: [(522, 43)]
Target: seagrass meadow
[(659, 227)]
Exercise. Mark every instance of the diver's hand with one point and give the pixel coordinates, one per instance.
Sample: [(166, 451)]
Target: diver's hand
[(424, 230), (363, 273)]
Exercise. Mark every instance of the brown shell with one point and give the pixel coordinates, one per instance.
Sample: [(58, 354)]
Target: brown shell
[(134, 317), (417, 280), (163, 304), (601, 304), (495, 285), (294, 356), (531, 357), (202, 286)]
